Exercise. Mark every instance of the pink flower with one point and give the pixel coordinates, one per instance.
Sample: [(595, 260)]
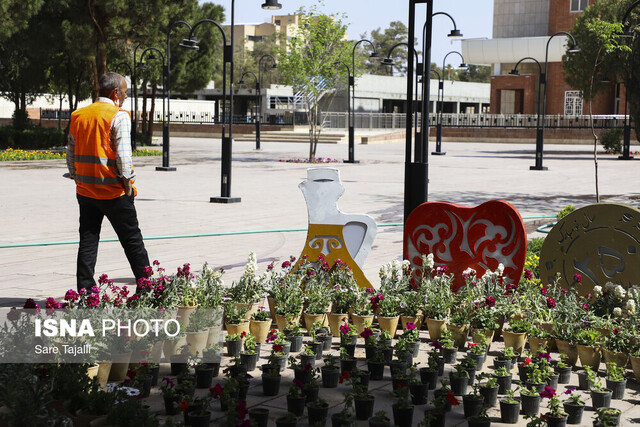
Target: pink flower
[(546, 356), (585, 307), (31, 304), (543, 291), (551, 303), (71, 295), (366, 333), (156, 262), (437, 345), (52, 303), (216, 391), (490, 301), (548, 393), (528, 274), (345, 329), (410, 326), (564, 291), (570, 390), (286, 264), (148, 271), (577, 277), (270, 267), (298, 382)]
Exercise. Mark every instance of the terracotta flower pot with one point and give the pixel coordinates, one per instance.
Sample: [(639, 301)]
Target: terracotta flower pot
[(183, 316), (589, 356), (310, 319), (359, 321), (172, 346), (416, 320), (260, 329), (104, 368), (620, 359), (564, 347), (281, 321), (237, 328), (251, 308), (516, 340), (389, 324), (197, 341), (435, 328), (119, 366), (537, 345), (459, 333), (635, 365), (335, 321)]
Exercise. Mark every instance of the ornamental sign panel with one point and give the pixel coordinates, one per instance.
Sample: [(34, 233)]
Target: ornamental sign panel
[(459, 237), (600, 242)]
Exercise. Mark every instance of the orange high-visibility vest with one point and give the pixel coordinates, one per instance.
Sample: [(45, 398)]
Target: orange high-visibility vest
[(95, 159)]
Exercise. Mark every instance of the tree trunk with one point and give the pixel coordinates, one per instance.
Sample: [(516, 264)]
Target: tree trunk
[(143, 126), (593, 132)]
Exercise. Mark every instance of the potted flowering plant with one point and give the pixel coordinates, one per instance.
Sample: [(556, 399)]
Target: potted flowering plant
[(380, 419), (588, 343), (330, 372), (515, 334), (343, 295), (362, 399), (234, 343), (363, 308), (295, 398), (317, 297), (403, 408), (248, 292), (488, 389), (473, 402), (573, 406), (606, 417), (556, 415), (600, 396), (509, 407), (458, 324), (438, 299), (411, 308), (615, 380), (411, 334), (260, 324), (235, 321), (616, 347), (348, 334)]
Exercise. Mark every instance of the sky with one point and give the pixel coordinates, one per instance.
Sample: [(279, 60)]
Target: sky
[(474, 18)]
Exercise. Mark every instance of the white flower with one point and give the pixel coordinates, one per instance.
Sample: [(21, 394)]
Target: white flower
[(617, 312), (427, 261), (403, 304), (469, 272), (630, 306), (619, 292), (500, 269), (609, 286), (597, 291)]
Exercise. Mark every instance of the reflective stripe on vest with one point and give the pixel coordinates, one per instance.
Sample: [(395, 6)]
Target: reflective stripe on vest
[(95, 158)]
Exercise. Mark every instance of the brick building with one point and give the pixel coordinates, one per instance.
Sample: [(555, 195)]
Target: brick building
[(521, 28)]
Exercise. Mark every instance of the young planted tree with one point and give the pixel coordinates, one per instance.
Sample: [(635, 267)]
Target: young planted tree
[(309, 62)]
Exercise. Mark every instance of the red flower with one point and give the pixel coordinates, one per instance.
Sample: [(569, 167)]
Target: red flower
[(298, 382), (367, 333), (216, 391), (490, 301), (585, 307), (184, 405), (528, 274), (277, 347), (577, 278), (451, 398), (241, 409), (526, 361), (543, 291), (400, 385), (551, 303), (548, 393), (411, 326), (131, 373), (243, 334), (472, 344), (344, 376)]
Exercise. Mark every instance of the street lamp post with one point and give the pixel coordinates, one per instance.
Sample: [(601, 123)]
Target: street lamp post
[(259, 115), (540, 133), (349, 124), (626, 140), (131, 74), (134, 83), (352, 86), (541, 80), (257, 102), (439, 151), (141, 64)]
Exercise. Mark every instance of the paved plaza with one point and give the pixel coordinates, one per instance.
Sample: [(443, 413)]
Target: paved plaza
[(38, 206)]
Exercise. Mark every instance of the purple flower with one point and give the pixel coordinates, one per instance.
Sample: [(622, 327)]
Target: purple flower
[(528, 274), (570, 390), (548, 393), (490, 301), (551, 303)]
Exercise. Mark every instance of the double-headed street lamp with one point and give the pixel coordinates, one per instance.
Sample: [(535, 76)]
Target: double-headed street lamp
[(257, 102), (165, 135), (573, 48), (349, 124), (541, 79), (352, 87), (264, 57), (439, 151), (626, 140)]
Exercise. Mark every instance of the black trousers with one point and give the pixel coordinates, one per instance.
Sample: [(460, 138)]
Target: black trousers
[(121, 213)]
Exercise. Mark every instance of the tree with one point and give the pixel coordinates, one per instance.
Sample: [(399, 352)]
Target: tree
[(308, 64), (475, 73), (384, 41), (15, 16)]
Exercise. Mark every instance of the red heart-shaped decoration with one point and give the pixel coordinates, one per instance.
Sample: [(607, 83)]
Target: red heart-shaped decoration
[(460, 237)]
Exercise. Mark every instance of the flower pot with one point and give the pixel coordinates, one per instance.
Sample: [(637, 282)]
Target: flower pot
[(238, 328), (472, 405), (530, 404), (326, 340), (402, 417), (574, 413), (635, 365), (376, 370), (260, 329), (459, 385), (197, 341), (183, 316), (564, 374), (285, 422), (552, 381), (271, 385), (504, 383), (523, 372), (317, 348), (613, 420), (318, 412), (169, 406), (347, 365), (119, 366), (272, 307), (364, 407), (621, 359), (398, 381), (459, 333), (296, 405), (251, 307), (437, 416), (436, 327), (478, 421), (564, 347), (449, 355), (406, 356), (173, 346), (335, 321), (200, 420), (539, 387), (583, 381), (502, 363), (359, 321), (214, 336), (270, 369), (387, 352), (490, 395), (416, 320), (414, 348), (296, 343), (601, 399), (363, 377), (308, 359), (370, 352), (389, 324), (338, 420), (350, 349), (259, 416), (310, 319), (251, 360), (488, 333), (204, 377), (617, 388), (537, 345), (281, 321), (419, 393), (509, 412), (104, 368), (280, 361), (517, 340), (556, 421), (310, 392), (330, 377), (478, 358), (429, 377), (398, 368), (234, 348), (589, 356)]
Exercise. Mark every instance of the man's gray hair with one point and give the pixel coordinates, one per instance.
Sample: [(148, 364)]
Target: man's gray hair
[(109, 82)]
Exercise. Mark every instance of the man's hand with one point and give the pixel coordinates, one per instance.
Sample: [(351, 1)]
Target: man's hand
[(128, 188)]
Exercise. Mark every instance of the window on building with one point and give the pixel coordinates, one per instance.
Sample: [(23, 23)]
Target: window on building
[(255, 38), (277, 22), (579, 5), (573, 103)]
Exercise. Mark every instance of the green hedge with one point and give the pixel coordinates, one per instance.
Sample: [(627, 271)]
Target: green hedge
[(31, 139)]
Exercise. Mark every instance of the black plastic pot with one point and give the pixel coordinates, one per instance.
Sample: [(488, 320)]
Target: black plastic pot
[(348, 340), (398, 367), (296, 343), (154, 375), (419, 393), (509, 412), (504, 384), (601, 399), (376, 370), (414, 347), (530, 404), (350, 349), (330, 377), (251, 360), (437, 416), (317, 348), (523, 373), (363, 376), (169, 406), (490, 395), (310, 392), (429, 377), (144, 385), (234, 348), (617, 388), (284, 422), (478, 421), (499, 363), (575, 413), (200, 420), (402, 417), (347, 365), (552, 381), (556, 421), (364, 407), (204, 377), (459, 385), (267, 368), (178, 364), (449, 355), (387, 352), (259, 416), (238, 371), (564, 374), (583, 381), (539, 387), (479, 359), (308, 359), (396, 382), (271, 384), (370, 352), (296, 404), (337, 420), (472, 405), (318, 412)]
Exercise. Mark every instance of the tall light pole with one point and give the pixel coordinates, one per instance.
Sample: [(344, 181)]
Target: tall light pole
[(573, 48), (134, 83), (541, 79), (351, 159), (259, 115), (626, 140), (439, 151), (352, 86), (257, 102), (141, 65)]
